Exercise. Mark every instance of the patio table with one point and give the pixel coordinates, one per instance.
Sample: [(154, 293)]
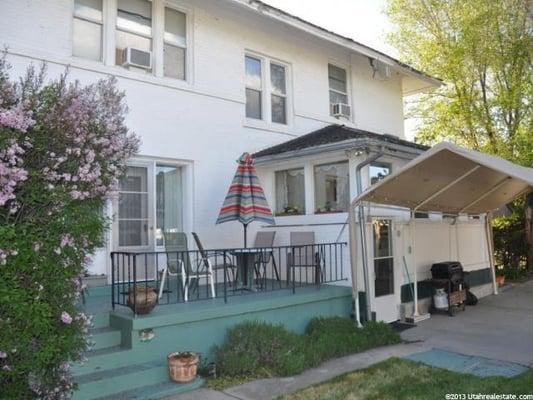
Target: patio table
[(246, 260)]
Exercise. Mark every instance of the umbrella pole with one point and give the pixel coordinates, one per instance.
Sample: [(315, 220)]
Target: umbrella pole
[(245, 228)]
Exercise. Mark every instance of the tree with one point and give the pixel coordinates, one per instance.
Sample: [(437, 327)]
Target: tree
[(63, 149), (481, 49)]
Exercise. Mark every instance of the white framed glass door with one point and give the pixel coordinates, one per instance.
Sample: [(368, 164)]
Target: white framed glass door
[(383, 288), (149, 202)]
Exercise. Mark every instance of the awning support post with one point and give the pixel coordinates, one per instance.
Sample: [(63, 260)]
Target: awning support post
[(490, 249), (353, 262), (412, 222)]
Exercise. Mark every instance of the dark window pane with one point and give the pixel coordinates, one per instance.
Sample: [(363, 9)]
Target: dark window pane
[(384, 271), (277, 78), (279, 114), (337, 78), (253, 104), (382, 239), (378, 171)]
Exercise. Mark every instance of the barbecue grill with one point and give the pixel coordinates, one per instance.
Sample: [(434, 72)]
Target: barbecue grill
[(449, 275)]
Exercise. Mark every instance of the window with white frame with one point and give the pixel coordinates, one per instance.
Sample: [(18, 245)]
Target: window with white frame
[(134, 28), (266, 99), (338, 86), (290, 192), (332, 187), (175, 44), (87, 30), (254, 92)]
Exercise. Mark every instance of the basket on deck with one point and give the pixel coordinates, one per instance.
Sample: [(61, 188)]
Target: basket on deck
[(183, 366)]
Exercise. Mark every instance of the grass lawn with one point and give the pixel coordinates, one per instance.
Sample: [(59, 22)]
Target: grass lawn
[(402, 379)]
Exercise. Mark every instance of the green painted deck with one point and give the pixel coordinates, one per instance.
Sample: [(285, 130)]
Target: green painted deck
[(123, 364)]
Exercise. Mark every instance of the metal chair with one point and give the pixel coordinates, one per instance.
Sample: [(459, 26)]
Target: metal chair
[(206, 257), (265, 240), (303, 255), (176, 250)]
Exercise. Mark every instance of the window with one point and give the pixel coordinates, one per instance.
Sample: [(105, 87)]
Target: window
[(377, 171), (383, 258), (134, 27), (175, 44), (87, 29), (290, 192), (168, 196), (338, 88), (279, 93), (331, 188), (266, 99), (253, 88)]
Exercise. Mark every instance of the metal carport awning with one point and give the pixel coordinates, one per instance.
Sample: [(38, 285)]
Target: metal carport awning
[(450, 180)]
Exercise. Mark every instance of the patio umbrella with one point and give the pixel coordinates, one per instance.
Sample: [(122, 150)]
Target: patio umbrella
[(245, 201)]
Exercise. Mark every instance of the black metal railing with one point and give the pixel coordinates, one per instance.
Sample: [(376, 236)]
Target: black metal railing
[(182, 276)]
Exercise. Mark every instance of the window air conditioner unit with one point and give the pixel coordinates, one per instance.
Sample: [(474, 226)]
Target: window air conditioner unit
[(136, 58), (340, 110), (380, 70)]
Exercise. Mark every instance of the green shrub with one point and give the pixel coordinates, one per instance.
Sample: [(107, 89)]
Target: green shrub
[(258, 349), (62, 150)]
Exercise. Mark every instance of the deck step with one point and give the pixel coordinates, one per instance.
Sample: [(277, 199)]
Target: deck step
[(101, 360), (128, 381), (155, 392), (100, 320), (104, 338)]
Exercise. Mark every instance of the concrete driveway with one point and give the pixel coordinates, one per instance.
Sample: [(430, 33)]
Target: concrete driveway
[(498, 327)]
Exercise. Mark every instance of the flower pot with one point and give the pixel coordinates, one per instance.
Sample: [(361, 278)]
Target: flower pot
[(500, 280), (183, 366), (142, 300)]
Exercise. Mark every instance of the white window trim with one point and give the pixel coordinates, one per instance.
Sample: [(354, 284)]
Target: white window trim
[(109, 29), (348, 89), (275, 194), (102, 23), (266, 92)]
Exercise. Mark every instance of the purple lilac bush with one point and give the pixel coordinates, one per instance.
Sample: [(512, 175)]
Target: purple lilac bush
[(63, 148)]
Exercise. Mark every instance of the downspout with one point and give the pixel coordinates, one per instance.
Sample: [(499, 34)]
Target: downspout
[(361, 212)]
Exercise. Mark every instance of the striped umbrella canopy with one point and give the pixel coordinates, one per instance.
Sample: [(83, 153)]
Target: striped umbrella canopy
[(245, 201)]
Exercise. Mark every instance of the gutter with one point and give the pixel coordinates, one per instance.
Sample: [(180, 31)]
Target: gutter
[(365, 144)]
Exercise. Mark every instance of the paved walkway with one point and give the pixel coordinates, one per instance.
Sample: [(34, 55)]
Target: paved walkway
[(498, 327), (264, 389)]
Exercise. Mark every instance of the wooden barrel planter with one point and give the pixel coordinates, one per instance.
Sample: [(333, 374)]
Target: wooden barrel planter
[(142, 300), (183, 366)]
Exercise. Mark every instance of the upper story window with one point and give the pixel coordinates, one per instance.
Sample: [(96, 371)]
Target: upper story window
[(87, 29), (175, 44), (137, 43), (290, 192), (266, 99), (338, 89), (378, 171), (253, 88), (332, 187), (134, 28)]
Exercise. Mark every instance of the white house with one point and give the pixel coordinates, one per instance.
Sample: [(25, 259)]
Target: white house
[(207, 80)]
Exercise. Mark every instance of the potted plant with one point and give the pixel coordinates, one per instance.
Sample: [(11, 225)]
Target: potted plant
[(183, 366), (142, 299)]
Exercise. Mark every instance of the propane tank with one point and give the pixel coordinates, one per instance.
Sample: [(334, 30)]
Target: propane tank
[(440, 299)]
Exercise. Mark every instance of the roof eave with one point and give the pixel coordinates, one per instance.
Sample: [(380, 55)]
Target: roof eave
[(350, 44)]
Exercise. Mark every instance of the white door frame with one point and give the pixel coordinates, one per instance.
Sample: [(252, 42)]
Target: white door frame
[(386, 307)]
